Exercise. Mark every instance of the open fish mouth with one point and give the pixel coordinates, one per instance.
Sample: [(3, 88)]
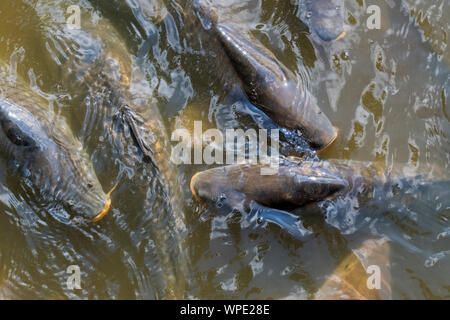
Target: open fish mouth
[(103, 212), (342, 35), (106, 208), (329, 34), (192, 185), (336, 134)]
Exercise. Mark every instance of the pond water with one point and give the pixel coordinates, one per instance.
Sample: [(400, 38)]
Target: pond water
[(386, 90)]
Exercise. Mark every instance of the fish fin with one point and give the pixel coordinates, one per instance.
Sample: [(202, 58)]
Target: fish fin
[(132, 119), (309, 209), (236, 96), (205, 13), (285, 220)]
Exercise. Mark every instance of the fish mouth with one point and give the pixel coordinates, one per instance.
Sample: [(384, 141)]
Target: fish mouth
[(103, 212), (336, 133), (192, 185), (106, 207), (342, 35)]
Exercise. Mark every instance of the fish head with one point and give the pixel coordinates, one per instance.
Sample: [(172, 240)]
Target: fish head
[(49, 156), (213, 185), (326, 19), (293, 106)]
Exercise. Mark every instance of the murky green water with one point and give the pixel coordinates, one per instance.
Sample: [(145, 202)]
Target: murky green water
[(386, 90)]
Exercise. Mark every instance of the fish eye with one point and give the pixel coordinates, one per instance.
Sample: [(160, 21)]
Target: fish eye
[(16, 136), (90, 185)]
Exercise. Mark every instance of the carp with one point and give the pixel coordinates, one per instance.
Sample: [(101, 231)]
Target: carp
[(98, 70), (351, 279), (257, 77), (294, 185), (297, 184)]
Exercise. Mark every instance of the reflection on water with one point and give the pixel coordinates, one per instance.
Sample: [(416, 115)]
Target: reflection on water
[(386, 90)]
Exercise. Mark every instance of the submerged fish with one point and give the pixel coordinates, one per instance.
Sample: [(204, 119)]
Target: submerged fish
[(325, 18), (295, 184), (97, 69), (362, 275), (47, 154), (257, 75)]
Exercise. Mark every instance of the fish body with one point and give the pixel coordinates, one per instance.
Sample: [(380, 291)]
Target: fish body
[(296, 184), (243, 187), (355, 278), (256, 74), (293, 184), (273, 88), (98, 66), (98, 70)]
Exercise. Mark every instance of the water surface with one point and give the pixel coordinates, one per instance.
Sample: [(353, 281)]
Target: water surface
[(386, 90)]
